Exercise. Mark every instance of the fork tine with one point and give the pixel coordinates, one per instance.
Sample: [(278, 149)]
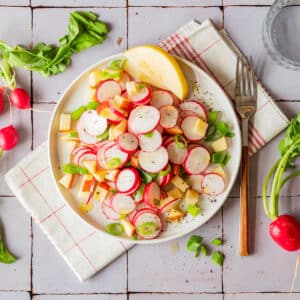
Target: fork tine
[(238, 77), (253, 79), (248, 78)]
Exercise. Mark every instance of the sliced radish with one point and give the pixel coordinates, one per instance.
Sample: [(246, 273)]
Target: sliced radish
[(167, 140), (128, 181), (143, 97), (100, 153), (196, 182), (85, 137), (114, 152), (92, 122), (213, 184), (151, 141), (108, 212), (114, 108), (140, 209), (152, 195), (168, 205), (169, 116), (161, 98), (84, 155), (148, 217), (125, 78), (122, 204), (164, 180), (187, 125), (128, 142), (143, 119), (197, 160), (155, 161), (139, 194), (81, 149), (108, 89), (198, 108), (176, 155)]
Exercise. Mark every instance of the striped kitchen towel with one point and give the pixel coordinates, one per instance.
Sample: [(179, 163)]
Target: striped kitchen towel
[(85, 250)]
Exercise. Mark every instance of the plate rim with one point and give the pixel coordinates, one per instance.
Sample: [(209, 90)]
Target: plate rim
[(180, 233)]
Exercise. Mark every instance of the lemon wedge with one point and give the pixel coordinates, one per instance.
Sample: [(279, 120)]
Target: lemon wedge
[(153, 65)]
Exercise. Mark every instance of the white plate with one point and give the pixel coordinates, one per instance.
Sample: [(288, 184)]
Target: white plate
[(201, 86)]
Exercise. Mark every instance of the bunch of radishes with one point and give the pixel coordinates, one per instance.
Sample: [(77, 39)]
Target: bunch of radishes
[(19, 98)]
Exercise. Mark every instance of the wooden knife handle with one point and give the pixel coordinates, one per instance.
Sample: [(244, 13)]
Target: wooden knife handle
[(244, 226)]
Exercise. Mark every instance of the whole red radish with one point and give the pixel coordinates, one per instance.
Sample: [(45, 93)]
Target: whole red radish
[(2, 88), (8, 137), (285, 231), (20, 98)]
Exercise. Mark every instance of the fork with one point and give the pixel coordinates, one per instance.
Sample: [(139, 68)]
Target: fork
[(245, 104)]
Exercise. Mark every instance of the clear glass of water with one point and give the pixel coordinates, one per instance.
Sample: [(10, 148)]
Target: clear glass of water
[(281, 33)]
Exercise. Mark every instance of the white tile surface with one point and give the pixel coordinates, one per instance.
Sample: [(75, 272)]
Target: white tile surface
[(51, 275), (79, 3), (157, 268), (247, 2), (282, 83), (15, 2), (17, 228), (268, 269), (269, 296), (50, 89), (14, 296), (175, 2), (80, 297), (175, 297), (148, 25)]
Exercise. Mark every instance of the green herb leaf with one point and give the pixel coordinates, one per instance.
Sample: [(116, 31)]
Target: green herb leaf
[(147, 177), (213, 117), (5, 256), (221, 158), (166, 171), (118, 64), (217, 242), (149, 134), (74, 169), (193, 210), (203, 250), (218, 130), (217, 258), (114, 229), (193, 244), (92, 105), (76, 114), (74, 134)]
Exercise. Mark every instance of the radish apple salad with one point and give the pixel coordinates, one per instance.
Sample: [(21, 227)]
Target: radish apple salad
[(145, 155)]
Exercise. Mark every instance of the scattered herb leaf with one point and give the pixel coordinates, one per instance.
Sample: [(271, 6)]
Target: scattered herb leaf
[(217, 242), (217, 258)]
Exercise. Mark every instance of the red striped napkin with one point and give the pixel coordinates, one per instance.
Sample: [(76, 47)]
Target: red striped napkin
[(85, 250)]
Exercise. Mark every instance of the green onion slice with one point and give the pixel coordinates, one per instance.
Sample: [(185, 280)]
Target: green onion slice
[(92, 105), (74, 134), (108, 75), (147, 228), (213, 117), (166, 171), (114, 163), (74, 169), (193, 244), (149, 134), (117, 64), (180, 141), (103, 135), (76, 114), (217, 242), (217, 258), (114, 229), (193, 210)]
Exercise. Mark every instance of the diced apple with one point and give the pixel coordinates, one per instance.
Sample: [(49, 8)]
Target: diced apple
[(116, 130), (86, 207), (94, 78), (180, 183), (65, 122), (111, 175), (175, 193), (129, 229), (67, 180), (200, 127), (101, 191), (91, 94), (71, 145), (132, 88), (176, 169), (191, 196), (86, 183), (219, 145), (175, 215), (65, 136), (91, 165), (134, 161), (174, 130), (122, 102)]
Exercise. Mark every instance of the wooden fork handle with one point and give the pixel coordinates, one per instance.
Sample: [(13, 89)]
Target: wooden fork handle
[(244, 226)]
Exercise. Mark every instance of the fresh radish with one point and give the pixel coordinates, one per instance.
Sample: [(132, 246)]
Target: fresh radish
[(128, 181), (164, 180), (161, 98), (92, 123), (108, 212), (108, 89), (176, 155), (155, 161), (168, 205), (187, 125), (85, 137), (81, 156), (197, 160), (100, 153), (152, 195), (122, 204), (196, 182), (143, 119), (8, 138), (20, 98), (213, 184), (114, 153), (114, 108), (128, 142), (139, 194), (143, 97), (152, 220), (195, 107), (140, 209), (151, 141), (169, 116)]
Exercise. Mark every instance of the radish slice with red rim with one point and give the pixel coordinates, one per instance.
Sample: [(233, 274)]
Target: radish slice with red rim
[(138, 196), (108, 212), (85, 137), (128, 142), (150, 141), (92, 123), (108, 89), (197, 160), (148, 225), (161, 98), (143, 119), (196, 182), (143, 97), (140, 209), (114, 157), (196, 107), (155, 161), (167, 206), (79, 157), (176, 155), (128, 181), (81, 149), (187, 125), (168, 116), (122, 204), (152, 195), (213, 184), (100, 153)]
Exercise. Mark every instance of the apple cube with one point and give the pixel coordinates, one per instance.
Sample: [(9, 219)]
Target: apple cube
[(176, 169), (180, 183), (101, 191), (122, 102), (94, 78), (86, 183), (200, 127), (219, 145), (175, 193), (112, 175), (71, 145), (132, 88), (116, 130), (67, 180), (86, 207), (65, 122), (191, 196), (175, 215), (129, 229), (134, 161), (91, 94), (174, 130)]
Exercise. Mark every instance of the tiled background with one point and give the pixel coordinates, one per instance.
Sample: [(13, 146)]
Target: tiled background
[(145, 272)]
